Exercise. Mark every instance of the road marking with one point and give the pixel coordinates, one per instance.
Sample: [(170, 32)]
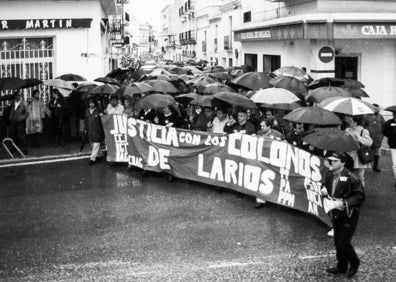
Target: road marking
[(232, 264), (317, 256), (45, 161)]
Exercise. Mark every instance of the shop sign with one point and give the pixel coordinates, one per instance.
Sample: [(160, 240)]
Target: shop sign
[(45, 24), (272, 33), (365, 30)]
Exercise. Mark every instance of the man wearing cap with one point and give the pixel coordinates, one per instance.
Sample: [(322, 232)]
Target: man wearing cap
[(345, 192)]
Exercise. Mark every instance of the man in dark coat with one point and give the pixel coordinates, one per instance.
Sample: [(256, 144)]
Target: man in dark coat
[(241, 125), (94, 130), (170, 119), (345, 194), (17, 119), (390, 133)]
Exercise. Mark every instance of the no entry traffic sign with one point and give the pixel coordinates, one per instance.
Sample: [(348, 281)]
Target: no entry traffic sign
[(326, 54)]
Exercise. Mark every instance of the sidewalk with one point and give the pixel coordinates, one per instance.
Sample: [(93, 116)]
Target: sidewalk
[(46, 152)]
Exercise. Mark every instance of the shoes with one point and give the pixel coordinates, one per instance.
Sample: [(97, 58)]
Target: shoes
[(259, 205), (352, 270), (335, 270), (331, 233), (91, 162), (376, 169)]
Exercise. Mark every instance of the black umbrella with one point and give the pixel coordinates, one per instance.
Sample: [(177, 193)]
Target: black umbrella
[(391, 108), (332, 139), (31, 82), (321, 93), (8, 83), (235, 99), (186, 98), (108, 80), (71, 77), (155, 101), (251, 80), (290, 83)]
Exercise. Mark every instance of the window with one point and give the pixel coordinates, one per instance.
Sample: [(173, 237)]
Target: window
[(247, 17), (271, 63)]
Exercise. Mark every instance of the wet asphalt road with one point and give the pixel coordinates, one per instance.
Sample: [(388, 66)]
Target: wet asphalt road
[(71, 222)]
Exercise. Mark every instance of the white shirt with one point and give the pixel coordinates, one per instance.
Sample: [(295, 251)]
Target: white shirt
[(17, 104), (218, 126), (117, 110)]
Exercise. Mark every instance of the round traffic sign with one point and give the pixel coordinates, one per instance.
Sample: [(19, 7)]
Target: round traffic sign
[(326, 54)]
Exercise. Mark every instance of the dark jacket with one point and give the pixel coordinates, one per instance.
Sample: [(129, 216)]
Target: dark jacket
[(20, 114), (247, 128), (93, 126), (149, 117), (349, 188), (172, 119), (390, 132)]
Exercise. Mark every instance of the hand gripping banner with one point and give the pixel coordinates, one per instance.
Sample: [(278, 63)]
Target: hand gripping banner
[(275, 171)]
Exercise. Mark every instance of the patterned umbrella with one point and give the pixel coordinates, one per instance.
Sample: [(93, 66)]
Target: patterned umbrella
[(71, 77), (251, 80), (321, 93), (313, 115), (348, 106)]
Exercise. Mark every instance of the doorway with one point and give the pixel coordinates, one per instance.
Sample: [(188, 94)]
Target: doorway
[(346, 67), (251, 60)]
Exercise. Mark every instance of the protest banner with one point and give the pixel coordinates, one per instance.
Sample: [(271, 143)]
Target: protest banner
[(272, 170)]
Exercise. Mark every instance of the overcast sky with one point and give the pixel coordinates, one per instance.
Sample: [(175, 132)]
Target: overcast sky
[(147, 10)]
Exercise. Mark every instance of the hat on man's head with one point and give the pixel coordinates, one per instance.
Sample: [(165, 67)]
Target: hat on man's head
[(338, 156)]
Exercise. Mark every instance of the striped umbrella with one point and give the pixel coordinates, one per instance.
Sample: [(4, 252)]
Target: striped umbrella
[(349, 106)]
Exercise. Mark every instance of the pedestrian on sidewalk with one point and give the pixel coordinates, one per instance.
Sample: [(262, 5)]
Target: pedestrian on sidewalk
[(346, 194), (94, 130), (375, 125), (34, 123), (390, 133), (17, 119)]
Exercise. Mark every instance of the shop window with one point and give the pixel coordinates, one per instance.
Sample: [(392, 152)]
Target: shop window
[(251, 60), (271, 63), (346, 67), (247, 17), (230, 62)]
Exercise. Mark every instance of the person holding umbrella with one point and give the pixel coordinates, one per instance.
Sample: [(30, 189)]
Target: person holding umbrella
[(362, 136), (17, 119), (375, 125), (344, 196)]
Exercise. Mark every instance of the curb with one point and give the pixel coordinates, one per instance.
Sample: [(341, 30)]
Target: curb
[(43, 159)]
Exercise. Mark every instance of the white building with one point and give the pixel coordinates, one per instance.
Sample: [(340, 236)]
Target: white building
[(169, 31), (44, 39), (344, 39)]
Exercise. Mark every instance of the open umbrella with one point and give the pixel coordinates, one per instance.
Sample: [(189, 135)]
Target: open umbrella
[(349, 106), (201, 81), (117, 73), (86, 87), (321, 93), (31, 82), (59, 83), (282, 106), (294, 72), (215, 88), (251, 80), (193, 70), (187, 98), (71, 77), (313, 115), (326, 82), (203, 101), (108, 80), (290, 83), (180, 70), (162, 86), (391, 108), (155, 101), (214, 69), (355, 92), (8, 83), (331, 139), (235, 99), (134, 88), (221, 75), (272, 96)]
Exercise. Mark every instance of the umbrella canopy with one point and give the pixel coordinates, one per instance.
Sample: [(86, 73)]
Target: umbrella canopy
[(348, 106), (355, 92), (351, 83), (326, 82), (71, 77), (86, 87), (118, 73), (313, 115), (214, 69), (331, 139), (180, 70), (104, 89), (252, 80), (221, 75), (162, 86), (271, 96), (59, 83), (187, 98), (31, 82), (108, 80), (235, 99), (155, 101), (201, 81), (193, 70), (8, 83), (215, 88), (321, 93), (282, 106), (203, 101), (294, 72), (134, 88), (290, 83), (391, 108)]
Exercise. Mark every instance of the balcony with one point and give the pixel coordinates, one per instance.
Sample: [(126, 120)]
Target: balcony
[(115, 26), (187, 37), (227, 43), (186, 8)]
